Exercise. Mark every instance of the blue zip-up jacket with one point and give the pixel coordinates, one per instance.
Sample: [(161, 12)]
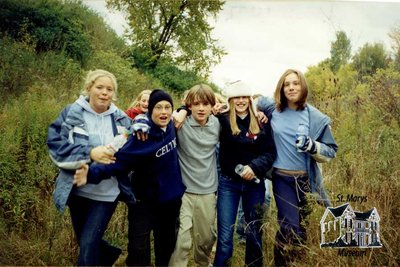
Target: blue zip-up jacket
[(326, 146), (157, 177), (69, 149)]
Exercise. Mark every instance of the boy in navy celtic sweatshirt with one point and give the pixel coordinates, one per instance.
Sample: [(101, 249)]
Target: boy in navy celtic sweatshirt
[(156, 182)]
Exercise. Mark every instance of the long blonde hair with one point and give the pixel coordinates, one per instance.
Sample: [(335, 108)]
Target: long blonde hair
[(254, 128), (136, 102)]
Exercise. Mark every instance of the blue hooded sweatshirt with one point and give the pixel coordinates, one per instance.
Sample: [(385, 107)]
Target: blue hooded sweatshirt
[(156, 177)]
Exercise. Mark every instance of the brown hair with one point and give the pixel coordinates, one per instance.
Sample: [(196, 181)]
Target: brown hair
[(280, 98), (200, 93), (254, 128)]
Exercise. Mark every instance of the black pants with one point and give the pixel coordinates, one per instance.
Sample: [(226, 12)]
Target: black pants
[(163, 220)]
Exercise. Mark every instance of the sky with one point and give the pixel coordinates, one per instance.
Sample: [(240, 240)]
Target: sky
[(264, 38)]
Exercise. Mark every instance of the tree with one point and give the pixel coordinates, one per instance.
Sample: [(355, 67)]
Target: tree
[(176, 31), (369, 59), (395, 36), (340, 51)]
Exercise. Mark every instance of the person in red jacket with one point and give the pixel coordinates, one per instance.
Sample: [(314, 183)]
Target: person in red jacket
[(139, 105)]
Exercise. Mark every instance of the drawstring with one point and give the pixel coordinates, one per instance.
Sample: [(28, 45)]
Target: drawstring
[(298, 187), (100, 126)]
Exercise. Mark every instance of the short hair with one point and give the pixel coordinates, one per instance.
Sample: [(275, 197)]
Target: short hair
[(136, 101), (91, 78), (280, 98), (200, 93)]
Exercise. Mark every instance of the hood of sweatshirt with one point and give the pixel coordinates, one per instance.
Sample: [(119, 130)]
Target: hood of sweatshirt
[(84, 103), (99, 125)]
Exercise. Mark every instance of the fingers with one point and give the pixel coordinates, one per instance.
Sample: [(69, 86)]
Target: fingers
[(247, 173), (80, 176), (178, 124), (142, 136)]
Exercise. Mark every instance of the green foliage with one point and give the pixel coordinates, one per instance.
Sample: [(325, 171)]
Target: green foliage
[(340, 51), (169, 75), (48, 24), (21, 67), (385, 94), (130, 81), (54, 25), (26, 173), (369, 59), (176, 31), (176, 79)]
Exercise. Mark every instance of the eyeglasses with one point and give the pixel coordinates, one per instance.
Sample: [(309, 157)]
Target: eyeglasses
[(161, 107)]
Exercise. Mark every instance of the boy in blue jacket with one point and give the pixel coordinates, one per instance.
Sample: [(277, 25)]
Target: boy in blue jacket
[(156, 182)]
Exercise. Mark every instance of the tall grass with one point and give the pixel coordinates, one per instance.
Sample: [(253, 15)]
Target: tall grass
[(33, 233)]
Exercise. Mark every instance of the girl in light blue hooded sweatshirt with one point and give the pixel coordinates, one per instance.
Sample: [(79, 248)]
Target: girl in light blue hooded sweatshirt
[(80, 135), (303, 139)]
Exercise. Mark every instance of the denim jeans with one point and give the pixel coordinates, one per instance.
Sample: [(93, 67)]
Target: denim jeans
[(241, 222), (160, 218), (230, 192), (89, 220), (290, 197)]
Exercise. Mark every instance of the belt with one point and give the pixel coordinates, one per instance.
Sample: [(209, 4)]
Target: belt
[(290, 173)]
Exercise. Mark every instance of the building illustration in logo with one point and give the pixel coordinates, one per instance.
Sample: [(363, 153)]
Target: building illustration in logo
[(344, 227)]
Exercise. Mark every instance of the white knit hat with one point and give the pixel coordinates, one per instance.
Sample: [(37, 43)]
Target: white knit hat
[(238, 88)]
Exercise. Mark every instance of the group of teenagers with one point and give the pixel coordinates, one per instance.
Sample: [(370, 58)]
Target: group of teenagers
[(190, 170)]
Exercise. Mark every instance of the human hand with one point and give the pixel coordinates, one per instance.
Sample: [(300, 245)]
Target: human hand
[(80, 176), (262, 118), (219, 108), (102, 154), (179, 118), (305, 144)]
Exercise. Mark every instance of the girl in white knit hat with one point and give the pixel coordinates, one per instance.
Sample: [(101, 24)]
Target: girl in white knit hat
[(246, 153)]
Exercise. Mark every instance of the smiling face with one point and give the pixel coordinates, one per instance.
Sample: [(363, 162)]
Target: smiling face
[(292, 90), (201, 111), (162, 113), (241, 104), (101, 94), (144, 103)]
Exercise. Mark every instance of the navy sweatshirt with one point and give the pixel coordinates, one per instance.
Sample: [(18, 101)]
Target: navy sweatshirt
[(157, 176)]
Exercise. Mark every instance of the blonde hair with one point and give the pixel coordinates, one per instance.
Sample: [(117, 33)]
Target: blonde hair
[(136, 101), (202, 93), (91, 78), (254, 128), (280, 98), (219, 98)]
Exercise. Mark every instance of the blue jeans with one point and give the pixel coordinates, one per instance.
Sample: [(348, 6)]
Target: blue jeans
[(241, 222), (291, 202), (230, 192), (89, 220)]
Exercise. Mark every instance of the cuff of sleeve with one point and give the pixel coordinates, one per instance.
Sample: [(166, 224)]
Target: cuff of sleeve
[(184, 107), (92, 178)]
